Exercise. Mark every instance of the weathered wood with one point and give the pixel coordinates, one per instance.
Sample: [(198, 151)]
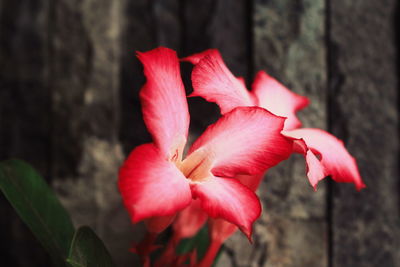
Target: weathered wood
[(289, 44), (219, 24), (24, 94), (24, 114), (137, 34), (364, 112), (167, 23), (86, 151)]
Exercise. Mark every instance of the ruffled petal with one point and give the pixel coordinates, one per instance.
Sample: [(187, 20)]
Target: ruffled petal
[(213, 81), (228, 199), (164, 104), (276, 98), (247, 140), (334, 158), (152, 186), (315, 169)]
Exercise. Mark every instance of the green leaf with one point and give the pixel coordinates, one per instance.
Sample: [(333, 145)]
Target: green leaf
[(38, 207), (199, 242), (87, 250)]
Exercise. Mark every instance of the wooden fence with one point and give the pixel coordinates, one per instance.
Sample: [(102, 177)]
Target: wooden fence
[(69, 83)]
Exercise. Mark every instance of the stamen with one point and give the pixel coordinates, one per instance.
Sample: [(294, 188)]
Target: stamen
[(175, 156), (196, 167)]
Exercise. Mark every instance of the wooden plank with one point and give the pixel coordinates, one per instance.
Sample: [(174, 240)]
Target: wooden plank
[(289, 44), (137, 35), (364, 112), (218, 24), (24, 94), (87, 154), (167, 23), (24, 114)]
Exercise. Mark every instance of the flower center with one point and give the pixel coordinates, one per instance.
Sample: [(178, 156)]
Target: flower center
[(197, 166)]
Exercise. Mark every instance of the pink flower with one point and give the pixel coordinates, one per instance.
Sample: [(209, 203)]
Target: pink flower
[(157, 181), (325, 154), (213, 81)]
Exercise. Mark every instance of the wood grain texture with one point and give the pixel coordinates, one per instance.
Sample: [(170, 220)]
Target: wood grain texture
[(137, 34), (24, 114), (85, 89), (289, 44), (364, 112), (24, 121), (167, 23), (218, 24)]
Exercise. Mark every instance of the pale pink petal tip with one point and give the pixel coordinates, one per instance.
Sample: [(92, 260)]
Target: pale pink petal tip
[(275, 97)]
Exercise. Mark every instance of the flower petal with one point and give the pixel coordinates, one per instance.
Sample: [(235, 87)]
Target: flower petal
[(276, 98), (159, 223), (213, 81), (152, 186), (228, 199), (315, 170), (250, 181), (189, 221), (195, 58), (335, 159), (247, 140), (220, 230), (164, 104)]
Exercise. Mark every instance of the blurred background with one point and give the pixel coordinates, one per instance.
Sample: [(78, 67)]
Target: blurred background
[(69, 83)]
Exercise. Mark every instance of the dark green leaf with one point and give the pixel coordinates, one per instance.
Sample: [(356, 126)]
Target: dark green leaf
[(38, 207), (87, 250), (199, 242)]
